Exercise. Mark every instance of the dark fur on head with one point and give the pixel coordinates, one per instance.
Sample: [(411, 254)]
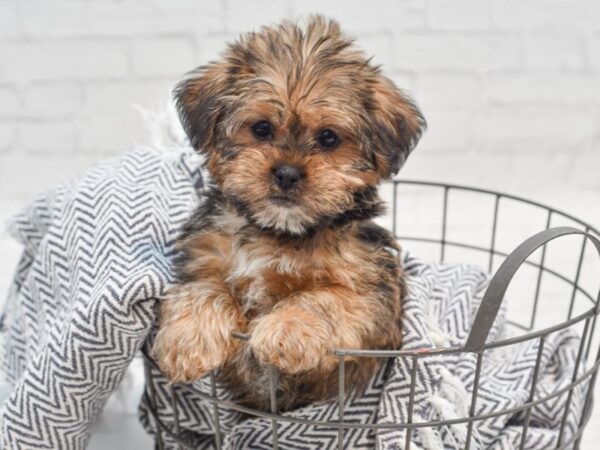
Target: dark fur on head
[(301, 81)]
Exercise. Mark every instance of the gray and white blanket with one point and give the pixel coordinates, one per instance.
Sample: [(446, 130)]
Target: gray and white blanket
[(96, 259)]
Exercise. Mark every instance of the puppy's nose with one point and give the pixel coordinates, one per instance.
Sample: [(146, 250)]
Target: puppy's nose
[(286, 176)]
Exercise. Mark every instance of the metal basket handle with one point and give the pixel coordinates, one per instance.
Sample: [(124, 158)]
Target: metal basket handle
[(492, 299)]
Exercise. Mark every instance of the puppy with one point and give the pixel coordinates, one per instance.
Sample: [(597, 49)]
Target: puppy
[(298, 129)]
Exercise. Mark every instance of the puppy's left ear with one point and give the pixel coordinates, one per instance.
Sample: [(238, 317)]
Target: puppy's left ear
[(199, 102), (398, 126)]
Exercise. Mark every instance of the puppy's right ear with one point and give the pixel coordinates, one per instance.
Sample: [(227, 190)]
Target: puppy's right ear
[(198, 98)]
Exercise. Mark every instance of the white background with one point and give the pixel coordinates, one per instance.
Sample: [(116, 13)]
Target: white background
[(510, 88)]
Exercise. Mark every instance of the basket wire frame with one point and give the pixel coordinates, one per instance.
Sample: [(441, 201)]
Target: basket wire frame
[(476, 341)]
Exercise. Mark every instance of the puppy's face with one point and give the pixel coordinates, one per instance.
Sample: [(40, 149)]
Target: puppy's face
[(297, 127)]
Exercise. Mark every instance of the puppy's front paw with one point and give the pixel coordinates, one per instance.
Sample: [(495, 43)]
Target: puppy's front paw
[(183, 356), (293, 340), (194, 336)]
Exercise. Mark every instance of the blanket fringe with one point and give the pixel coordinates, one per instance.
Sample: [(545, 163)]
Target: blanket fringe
[(452, 402)]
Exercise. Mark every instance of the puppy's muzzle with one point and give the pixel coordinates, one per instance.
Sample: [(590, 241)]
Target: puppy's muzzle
[(287, 177)]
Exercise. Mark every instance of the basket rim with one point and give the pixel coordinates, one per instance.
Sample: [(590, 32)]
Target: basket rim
[(494, 193)]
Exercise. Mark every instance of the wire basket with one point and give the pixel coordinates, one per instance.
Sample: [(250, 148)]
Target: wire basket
[(507, 234)]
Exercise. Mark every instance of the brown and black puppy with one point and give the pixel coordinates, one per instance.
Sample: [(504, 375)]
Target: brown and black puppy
[(298, 129)]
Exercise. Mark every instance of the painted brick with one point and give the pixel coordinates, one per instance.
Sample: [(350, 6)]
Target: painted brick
[(529, 170), (474, 52), (535, 88), (459, 14), (448, 90), (51, 100), (243, 15), (25, 175), (115, 97), (63, 60), (534, 129), (448, 130), (47, 138), (9, 102), (150, 18), (9, 21), (594, 51), (111, 134), (7, 136), (163, 57), (358, 16), (42, 18), (584, 168), (471, 169), (560, 51), (545, 14)]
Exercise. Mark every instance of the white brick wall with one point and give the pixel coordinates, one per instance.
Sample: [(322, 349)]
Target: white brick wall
[(511, 88)]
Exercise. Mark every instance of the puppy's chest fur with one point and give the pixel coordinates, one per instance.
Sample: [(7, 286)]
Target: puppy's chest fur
[(259, 279), (261, 271)]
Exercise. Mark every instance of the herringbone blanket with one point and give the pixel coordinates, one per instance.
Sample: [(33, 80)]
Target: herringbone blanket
[(96, 259), (96, 256)]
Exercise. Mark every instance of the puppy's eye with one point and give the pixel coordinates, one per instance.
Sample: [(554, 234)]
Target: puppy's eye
[(262, 129), (328, 139)]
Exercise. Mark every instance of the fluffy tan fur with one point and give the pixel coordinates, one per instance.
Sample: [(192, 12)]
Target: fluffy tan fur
[(301, 276)]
